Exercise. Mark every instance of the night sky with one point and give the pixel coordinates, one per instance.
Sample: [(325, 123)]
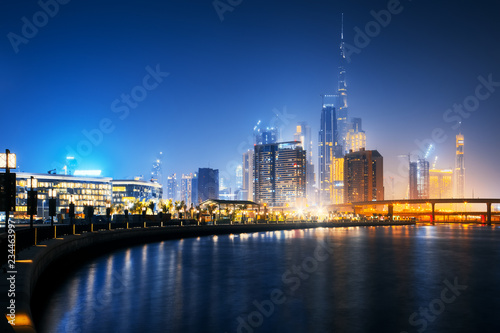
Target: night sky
[(266, 60)]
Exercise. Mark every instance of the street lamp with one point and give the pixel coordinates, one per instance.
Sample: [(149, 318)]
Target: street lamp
[(108, 211), (32, 198), (52, 205), (71, 208)]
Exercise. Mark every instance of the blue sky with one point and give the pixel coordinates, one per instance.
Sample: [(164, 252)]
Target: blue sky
[(264, 58)]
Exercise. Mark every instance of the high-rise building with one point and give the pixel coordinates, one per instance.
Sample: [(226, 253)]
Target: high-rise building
[(156, 172), (363, 176), (187, 189), (337, 180), (440, 184), (459, 173), (423, 178), (128, 191), (172, 187), (247, 181), (280, 174), (264, 136), (327, 147), (303, 135), (355, 140), (342, 107), (419, 179), (208, 184)]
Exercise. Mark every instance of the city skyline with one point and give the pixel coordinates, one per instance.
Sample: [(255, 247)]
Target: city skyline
[(226, 75)]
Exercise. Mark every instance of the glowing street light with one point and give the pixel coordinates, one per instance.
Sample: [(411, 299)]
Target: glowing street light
[(52, 205)]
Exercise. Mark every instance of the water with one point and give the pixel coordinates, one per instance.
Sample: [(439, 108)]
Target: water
[(364, 279)]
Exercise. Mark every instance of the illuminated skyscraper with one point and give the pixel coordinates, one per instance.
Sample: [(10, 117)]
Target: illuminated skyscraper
[(327, 147), (363, 176), (419, 179), (303, 135), (337, 180), (459, 173), (156, 172), (248, 176), (280, 174), (440, 184), (342, 107), (187, 189), (172, 187), (264, 136)]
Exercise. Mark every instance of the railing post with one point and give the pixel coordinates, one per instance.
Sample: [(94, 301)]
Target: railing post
[(55, 232), (36, 234), (91, 227)]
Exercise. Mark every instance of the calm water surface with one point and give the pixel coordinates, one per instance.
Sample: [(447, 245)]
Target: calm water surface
[(442, 278)]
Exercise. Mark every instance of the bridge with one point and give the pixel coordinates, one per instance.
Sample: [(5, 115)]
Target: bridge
[(486, 214)]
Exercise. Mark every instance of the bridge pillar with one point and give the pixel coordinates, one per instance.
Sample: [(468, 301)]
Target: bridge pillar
[(433, 217), (488, 213), (390, 211)]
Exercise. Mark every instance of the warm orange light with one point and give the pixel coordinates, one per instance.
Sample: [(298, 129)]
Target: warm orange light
[(21, 319), (24, 261)]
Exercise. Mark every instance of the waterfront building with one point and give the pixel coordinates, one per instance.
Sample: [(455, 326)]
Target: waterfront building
[(129, 191), (82, 191), (280, 174), (459, 172), (363, 176)]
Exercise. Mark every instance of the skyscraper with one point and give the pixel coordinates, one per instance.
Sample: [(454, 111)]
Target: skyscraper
[(459, 173), (156, 172), (363, 176), (303, 135), (440, 184), (280, 174), (172, 187), (419, 179), (187, 189), (342, 107), (264, 136), (208, 184), (327, 147), (248, 176)]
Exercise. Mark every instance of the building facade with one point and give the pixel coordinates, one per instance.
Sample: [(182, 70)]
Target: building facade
[(280, 174), (303, 134), (363, 176), (247, 176), (440, 184), (208, 184), (172, 187), (187, 189), (459, 172), (82, 191), (126, 192)]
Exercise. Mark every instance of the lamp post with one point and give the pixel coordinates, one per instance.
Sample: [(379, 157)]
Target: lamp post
[(52, 205), (32, 198), (71, 209), (108, 211)]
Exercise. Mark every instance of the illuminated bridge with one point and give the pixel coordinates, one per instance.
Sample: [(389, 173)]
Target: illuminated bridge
[(386, 207)]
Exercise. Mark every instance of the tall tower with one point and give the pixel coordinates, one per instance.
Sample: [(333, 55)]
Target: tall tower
[(303, 135), (156, 173), (342, 108), (327, 141), (459, 174)]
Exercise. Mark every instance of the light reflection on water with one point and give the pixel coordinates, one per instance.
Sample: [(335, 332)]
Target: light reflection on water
[(371, 280)]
